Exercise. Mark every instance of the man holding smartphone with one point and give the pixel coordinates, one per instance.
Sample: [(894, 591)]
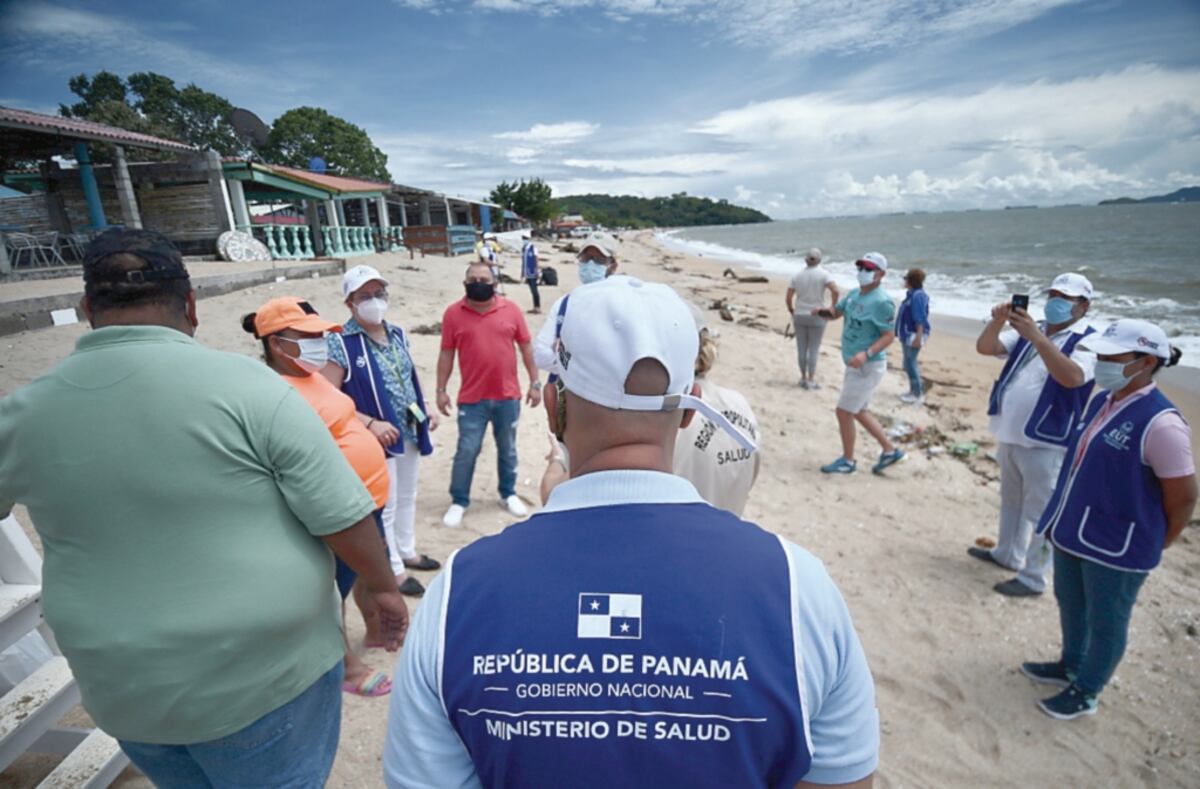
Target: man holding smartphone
[(1034, 407)]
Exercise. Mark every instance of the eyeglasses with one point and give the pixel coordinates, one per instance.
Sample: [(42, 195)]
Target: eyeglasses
[(363, 295), (866, 267)]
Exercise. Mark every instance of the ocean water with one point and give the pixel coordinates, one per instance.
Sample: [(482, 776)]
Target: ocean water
[(1142, 260)]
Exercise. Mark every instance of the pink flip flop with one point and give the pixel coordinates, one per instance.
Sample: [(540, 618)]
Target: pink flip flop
[(373, 686)]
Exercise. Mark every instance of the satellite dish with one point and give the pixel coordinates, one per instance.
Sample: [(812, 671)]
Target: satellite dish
[(249, 126), (316, 165)]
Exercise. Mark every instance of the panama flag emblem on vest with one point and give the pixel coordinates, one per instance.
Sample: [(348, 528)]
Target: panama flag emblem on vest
[(610, 615)]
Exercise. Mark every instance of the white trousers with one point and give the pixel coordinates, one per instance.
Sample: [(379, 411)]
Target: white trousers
[(400, 511), (1027, 478)]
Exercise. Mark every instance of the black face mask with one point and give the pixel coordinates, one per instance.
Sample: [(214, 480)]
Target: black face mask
[(480, 291)]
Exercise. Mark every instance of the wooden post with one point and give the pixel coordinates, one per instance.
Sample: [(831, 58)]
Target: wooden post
[(125, 194), (425, 218)]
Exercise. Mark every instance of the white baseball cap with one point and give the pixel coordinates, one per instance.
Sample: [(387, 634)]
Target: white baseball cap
[(875, 259), (1128, 335), (609, 326), (597, 244), (813, 254), (358, 276), (1071, 284)]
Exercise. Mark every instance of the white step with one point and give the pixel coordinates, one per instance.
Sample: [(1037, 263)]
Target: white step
[(94, 764), (34, 706), (20, 612)]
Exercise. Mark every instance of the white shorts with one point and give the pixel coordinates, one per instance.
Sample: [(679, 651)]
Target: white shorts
[(858, 386)]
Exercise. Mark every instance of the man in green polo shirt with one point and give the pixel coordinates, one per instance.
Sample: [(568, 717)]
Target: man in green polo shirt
[(870, 316), (187, 501)]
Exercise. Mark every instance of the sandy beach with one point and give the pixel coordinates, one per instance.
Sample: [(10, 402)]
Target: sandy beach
[(943, 647)]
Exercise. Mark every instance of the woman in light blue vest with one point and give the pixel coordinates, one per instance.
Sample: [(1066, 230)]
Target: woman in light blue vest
[(1125, 492)]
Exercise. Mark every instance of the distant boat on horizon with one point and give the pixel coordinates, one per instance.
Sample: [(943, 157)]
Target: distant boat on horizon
[(1018, 207)]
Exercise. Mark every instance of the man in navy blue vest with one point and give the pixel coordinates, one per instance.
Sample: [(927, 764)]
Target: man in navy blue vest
[(1033, 409), (593, 645)]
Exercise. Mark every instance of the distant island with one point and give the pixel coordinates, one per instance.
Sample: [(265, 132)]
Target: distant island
[(1189, 194), (678, 210)]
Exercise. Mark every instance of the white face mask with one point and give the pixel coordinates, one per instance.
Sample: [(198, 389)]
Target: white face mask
[(314, 353), (866, 277), (371, 311), (591, 271)]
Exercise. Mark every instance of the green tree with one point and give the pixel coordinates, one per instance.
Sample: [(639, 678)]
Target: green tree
[(304, 132), (104, 87), (532, 199)]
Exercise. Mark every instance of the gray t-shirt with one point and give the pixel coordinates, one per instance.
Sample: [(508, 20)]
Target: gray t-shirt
[(809, 284)]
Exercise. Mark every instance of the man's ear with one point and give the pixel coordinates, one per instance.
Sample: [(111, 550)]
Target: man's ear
[(85, 307), (689, 413), (191, 310)]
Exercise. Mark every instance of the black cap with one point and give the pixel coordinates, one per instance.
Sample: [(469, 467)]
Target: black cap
[(163, 261)]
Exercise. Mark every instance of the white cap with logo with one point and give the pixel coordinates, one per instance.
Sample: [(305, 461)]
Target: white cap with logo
[(1127, 335), (609, 326), (358, 276), (875, 259), (1071, 284)]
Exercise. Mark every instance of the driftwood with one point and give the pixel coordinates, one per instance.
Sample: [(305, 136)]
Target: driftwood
[(428, 328), (722, 306), (752, 278)]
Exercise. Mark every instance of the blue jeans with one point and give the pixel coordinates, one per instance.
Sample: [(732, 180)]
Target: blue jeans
[(292, 746), (910, 368), (1094, 604), (473, 420)]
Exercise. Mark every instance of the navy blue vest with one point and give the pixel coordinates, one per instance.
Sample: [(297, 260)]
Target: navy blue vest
[(1109, 509), (528, 262), (598, 648), (364, 384), (1058, 407)]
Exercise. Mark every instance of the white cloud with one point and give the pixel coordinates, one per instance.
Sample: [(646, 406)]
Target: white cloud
[(552, 133), (810, 27), (681, 164), (521, 155)]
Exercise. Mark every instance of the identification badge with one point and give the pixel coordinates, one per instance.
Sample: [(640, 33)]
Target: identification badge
[(417, 413)]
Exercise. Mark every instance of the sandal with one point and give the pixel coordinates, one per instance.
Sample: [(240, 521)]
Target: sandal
[(373, 686), (422, 562)]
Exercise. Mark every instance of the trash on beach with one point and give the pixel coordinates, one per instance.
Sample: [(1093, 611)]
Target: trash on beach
[(427, 328), (742, 278), (64, 317), (985, 542), (722, 306), (964, 449)]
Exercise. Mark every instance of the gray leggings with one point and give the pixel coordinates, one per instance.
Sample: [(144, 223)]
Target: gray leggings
[(809, 330)]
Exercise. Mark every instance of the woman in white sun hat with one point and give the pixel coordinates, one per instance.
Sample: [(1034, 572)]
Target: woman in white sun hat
[(1125, 492), (369, 360)]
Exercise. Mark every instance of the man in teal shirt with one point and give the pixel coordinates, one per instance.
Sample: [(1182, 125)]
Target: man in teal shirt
[(870, 316), (187, 501)]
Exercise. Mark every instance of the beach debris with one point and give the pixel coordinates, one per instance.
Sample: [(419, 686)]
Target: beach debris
[(722, 306), (427, 328), (740, 278), (964, 449), (789, 330), (985, 542)]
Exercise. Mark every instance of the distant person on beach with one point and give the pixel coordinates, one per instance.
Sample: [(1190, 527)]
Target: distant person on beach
[(629, 634), (530, 270), (293, 345), (912, 329), (867, 332), (1034, 406), (706, 456), (482, 329), (1126, 493), (806, 293), (369, 360), (187, 501)]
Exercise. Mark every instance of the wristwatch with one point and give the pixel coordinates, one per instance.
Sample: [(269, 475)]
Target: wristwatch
[(535, 384)]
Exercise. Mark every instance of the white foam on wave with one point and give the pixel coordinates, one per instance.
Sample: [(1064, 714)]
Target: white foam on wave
[(969, 296)]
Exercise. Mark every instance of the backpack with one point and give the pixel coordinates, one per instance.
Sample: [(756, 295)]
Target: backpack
[(549, 276)]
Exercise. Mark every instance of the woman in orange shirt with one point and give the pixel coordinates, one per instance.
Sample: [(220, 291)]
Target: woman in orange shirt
[(293, 338)]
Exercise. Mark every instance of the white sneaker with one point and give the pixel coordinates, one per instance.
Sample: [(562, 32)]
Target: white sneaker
[(515, 506), (453, 517), (911, 399)]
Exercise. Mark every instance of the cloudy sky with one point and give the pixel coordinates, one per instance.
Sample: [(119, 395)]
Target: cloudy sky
[(797, 108)]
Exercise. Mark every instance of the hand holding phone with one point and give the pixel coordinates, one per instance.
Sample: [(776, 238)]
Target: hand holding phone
[(1020, 301)]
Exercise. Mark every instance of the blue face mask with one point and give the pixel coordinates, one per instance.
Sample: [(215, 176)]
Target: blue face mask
[(1058, 310), (590, 271)]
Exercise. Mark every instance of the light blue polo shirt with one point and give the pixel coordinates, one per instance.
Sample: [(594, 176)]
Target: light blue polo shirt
[(866, 316), (422, 749)]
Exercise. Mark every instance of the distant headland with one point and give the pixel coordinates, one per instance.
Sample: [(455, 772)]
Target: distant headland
[(1189, 194)]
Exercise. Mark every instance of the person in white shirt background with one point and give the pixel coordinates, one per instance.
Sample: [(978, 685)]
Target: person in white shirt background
[(806, 293)]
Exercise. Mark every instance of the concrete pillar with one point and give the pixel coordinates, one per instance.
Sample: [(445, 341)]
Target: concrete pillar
[(237, 196), (341, 212), (425, 219), (403, 212), (217, 190), (313, 217), (449, 213), (364, 205), (125, 194), (382, 206), (331, 213), (91, 192)]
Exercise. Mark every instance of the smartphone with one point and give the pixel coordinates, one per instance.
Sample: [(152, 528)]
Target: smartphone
[(1021, 300)]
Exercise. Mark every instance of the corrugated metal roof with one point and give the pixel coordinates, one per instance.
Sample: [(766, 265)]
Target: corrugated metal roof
[(12, 118)]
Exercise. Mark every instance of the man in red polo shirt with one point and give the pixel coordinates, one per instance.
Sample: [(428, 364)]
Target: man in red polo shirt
[(482, 328)]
